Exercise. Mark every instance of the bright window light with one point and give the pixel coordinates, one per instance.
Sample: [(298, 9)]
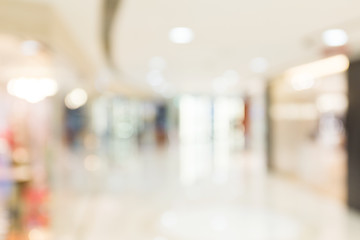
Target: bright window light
[(181, 35), (76, 98), (335, 37), (32, 90)]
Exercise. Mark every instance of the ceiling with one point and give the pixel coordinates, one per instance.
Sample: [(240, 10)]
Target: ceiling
[(19, 58), (228, 34)]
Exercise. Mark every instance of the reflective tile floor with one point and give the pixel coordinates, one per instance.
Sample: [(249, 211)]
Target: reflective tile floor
[(190, 192)]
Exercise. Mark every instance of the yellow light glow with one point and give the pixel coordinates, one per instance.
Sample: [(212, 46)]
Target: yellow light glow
[(322, 68), (38, 234), (76, 98), (32, 90), (302, 82)]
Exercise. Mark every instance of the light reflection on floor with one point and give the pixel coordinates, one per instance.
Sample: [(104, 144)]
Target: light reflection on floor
[(193, 192)]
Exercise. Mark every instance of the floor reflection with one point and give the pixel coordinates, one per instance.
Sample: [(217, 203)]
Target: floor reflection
[(194, 192)]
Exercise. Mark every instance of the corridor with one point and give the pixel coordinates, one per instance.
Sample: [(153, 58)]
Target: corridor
[(179, 120)]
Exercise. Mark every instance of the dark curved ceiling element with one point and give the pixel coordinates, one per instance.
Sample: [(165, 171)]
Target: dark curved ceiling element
[(110, 8)]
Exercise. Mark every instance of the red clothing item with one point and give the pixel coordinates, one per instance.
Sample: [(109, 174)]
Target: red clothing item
[(36, 207)]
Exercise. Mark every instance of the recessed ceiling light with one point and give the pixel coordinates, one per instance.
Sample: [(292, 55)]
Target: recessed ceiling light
[(181, 35), (335, 37), (259, 65)]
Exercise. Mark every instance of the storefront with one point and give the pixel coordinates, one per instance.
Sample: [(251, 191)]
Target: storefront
[(27, 129), (307, 111)]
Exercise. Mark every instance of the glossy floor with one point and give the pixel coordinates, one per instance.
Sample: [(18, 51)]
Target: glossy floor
[(190, 192)]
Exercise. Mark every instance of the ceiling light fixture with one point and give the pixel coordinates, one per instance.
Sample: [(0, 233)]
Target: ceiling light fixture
[(335, 37), (181, 35), (76, 98), (321, 68), (32, 90)]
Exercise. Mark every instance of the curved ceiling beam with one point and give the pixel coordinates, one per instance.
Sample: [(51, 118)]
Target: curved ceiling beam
[(110, 8)]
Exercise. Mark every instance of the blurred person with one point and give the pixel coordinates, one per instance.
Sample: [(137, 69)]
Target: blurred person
[(74, 126), (247, 122), (161, 126)]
